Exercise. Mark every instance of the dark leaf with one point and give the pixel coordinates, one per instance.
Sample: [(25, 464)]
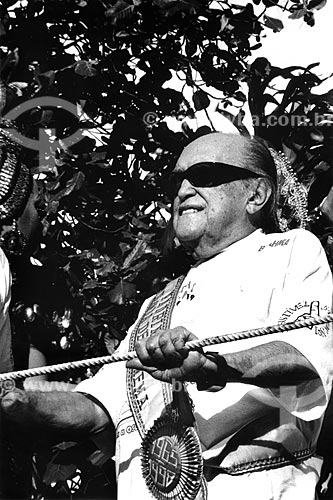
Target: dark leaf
[(317, 4), (309, 18), (121, 11), (165, 4), (122, 292), (256, 46), (85, 68), (275, 24), (139, 223), (2, 29), (170, 7), (200, 100), (266, 98), (58, 472), (106, 268), (64, 445), (240, 96), (190, 48), (89, 285), (87, 124), (73, 184), (328, 97), (85, 145), (297, 14), (49, 76), (313, 65), (111, 339), (136, 253)]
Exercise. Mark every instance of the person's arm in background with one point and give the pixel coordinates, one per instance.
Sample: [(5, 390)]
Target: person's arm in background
[(36, 359), (326, 206), (89, 408), (6, 354), (324, 216), (66, 413)]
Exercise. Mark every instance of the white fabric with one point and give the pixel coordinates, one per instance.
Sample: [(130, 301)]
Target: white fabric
[(6, 359), (258, 281)]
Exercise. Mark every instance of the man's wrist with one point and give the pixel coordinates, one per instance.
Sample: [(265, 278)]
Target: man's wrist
[(214, 380)]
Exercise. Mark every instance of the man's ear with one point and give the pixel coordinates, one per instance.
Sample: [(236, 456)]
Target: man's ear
[(259, 194)]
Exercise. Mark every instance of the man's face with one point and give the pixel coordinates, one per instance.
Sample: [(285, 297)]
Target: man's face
[(208, 219)]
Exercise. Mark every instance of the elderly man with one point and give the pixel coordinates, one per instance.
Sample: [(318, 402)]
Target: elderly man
[(199, 424)]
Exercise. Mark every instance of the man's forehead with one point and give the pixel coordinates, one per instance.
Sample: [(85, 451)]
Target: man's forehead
[(215, 147)]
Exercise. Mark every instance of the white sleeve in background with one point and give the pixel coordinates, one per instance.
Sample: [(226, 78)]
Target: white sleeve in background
[(307, 291), (6, 357)]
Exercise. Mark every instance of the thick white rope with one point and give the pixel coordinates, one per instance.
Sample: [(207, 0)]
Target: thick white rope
[(192, 346)]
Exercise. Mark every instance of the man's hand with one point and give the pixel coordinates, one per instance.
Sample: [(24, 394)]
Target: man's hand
[(15, 406), (164, 355), (68, 413)]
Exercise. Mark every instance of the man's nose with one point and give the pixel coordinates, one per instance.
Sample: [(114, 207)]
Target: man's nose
[(185, 189)]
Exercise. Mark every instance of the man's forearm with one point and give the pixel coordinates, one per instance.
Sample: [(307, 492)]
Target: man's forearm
[(269, 365), (63, 412)]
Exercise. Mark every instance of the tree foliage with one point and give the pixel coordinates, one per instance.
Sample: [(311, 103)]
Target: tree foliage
[(128, 67)]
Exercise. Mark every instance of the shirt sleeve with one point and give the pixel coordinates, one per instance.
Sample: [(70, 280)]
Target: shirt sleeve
[(307, 291)]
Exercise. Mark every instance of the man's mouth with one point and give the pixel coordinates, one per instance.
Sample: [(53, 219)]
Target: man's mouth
[(189, 208), (188, 211)]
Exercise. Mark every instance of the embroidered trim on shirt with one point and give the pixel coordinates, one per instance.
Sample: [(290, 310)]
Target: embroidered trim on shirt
[(263, 464)]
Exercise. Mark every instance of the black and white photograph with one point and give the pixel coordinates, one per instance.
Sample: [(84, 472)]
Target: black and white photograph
[(166, 250)]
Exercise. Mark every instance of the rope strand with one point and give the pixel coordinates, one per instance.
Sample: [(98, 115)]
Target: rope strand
[(192, 346)]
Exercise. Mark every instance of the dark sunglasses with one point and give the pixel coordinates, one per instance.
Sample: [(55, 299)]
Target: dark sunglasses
[(206, 174)]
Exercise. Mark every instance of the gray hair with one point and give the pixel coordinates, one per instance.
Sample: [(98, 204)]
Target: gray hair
[(258, 153)]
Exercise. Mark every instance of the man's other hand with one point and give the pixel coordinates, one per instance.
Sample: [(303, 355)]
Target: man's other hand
[(68, 413), (15, 405), (164, 355)]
